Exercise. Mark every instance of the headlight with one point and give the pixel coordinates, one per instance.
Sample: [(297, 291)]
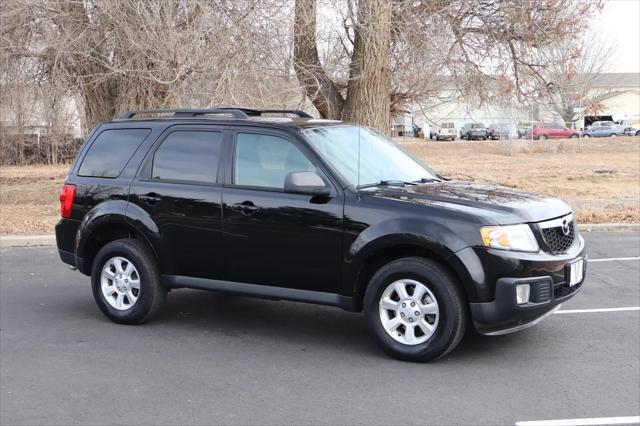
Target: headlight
[(512, 237)]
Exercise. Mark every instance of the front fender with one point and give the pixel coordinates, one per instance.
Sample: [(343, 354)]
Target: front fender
[(441, 240)]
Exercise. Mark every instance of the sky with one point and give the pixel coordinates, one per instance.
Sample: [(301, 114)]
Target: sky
[(620, 23)]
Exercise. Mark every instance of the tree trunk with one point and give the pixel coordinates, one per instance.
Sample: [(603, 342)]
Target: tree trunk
[(99, 105), (315, 82), (369, 92)]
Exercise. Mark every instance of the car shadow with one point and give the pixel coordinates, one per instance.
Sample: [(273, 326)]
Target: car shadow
[(305, 325)]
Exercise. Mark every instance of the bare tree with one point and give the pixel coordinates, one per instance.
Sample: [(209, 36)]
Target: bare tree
[(485, 46), (123, 54), (566, 84)]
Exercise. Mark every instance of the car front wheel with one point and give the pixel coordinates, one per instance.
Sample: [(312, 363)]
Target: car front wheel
[(415, 309), (126, 282), (613, 135)]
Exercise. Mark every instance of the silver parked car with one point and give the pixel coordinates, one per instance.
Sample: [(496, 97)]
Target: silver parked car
[(473, 131), (602, 131)]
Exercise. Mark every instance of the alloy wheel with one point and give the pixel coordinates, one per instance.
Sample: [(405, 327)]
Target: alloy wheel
[(120, 283), (409, 312)]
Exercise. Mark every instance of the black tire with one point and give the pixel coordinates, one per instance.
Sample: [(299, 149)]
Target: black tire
[(586, 136), (638, 133), (453, 314), (613, 135), (544, 137), (573, 136), (151, 294)]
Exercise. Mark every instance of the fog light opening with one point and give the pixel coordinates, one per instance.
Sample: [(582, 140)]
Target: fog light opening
[(522, 293)]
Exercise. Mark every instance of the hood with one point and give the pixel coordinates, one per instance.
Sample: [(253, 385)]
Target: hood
[(496, 204)]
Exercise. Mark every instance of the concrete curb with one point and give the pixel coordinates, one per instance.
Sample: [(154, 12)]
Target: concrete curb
[(27, 240), (601, 227), (50, 240)]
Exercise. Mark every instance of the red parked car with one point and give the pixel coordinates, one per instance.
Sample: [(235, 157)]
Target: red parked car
[(552, 131)]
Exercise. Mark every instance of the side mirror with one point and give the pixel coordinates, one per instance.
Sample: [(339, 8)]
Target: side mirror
[(309, 183)]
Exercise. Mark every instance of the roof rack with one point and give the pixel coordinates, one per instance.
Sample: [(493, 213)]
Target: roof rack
[(241, 113), (236, 113), (297, 112)]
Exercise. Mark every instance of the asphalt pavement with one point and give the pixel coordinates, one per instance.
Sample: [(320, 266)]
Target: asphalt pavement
[(212, 358)]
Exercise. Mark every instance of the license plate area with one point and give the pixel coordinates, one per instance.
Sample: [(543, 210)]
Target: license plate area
[(576, 272)]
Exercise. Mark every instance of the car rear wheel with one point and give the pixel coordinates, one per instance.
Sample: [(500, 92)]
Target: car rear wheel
[(126, 282), (613, 135), (415, 309), (573, 136), (638, 133), (586, 136), (543, 137)]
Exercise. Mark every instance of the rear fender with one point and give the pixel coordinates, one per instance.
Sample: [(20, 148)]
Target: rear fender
[(115, 213)]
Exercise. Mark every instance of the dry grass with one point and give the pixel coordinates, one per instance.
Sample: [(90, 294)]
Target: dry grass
[(600, 178), (29, 198)]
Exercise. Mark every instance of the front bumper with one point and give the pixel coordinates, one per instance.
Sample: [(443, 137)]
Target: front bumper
[(548, 277), (446, 136), (477, 135)]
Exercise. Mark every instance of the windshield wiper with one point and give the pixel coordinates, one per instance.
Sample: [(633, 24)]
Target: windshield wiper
[(426, 180), (386, 183)]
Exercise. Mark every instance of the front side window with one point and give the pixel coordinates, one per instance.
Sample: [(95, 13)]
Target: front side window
[(265, 160), (190, 156), (363, 156), (111, 151)]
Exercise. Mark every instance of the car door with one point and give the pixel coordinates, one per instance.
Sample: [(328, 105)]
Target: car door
[(177, 189), (277, 238)]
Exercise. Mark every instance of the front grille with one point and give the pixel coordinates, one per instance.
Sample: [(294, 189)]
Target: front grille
[(559, 234)]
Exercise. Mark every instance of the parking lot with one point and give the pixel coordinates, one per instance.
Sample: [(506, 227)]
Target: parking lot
[(221, 359)]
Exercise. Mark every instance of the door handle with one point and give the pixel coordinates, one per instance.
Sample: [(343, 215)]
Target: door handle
[(247, 208), (151, 198)]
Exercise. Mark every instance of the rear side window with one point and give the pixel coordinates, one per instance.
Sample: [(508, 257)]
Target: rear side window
[(111, 151), (190, 156)]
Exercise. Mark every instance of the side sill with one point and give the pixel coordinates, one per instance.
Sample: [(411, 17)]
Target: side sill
[(257, 290)]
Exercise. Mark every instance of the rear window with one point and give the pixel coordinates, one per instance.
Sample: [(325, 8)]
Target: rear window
[(111, 151), (190, 156)]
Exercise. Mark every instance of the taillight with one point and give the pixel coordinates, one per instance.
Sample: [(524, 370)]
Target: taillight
[(67, 197)]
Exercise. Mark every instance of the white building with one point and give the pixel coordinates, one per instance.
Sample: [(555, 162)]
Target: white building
[(616, 94)]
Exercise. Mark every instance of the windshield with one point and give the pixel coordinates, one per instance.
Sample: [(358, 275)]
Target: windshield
[(477, 126), (380, 158)]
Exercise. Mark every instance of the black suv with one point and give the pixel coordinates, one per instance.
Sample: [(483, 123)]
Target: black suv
[(318, 211)]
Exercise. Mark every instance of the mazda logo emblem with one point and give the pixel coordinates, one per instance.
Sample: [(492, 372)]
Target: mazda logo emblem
[(565, 227)]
